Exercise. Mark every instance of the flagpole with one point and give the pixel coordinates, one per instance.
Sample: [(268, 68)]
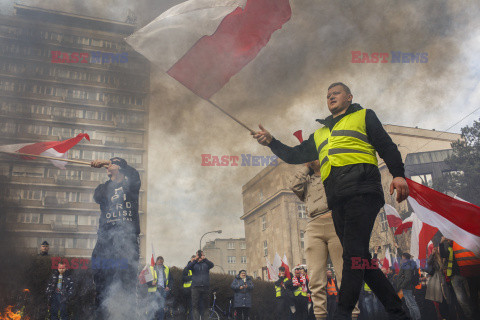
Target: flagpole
[(232, 117), (46, 157)]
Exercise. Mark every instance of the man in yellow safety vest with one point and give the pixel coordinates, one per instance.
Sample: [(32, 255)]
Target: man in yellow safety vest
[(159, 287), (346, 146)]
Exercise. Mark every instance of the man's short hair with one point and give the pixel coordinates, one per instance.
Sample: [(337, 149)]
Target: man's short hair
[(159, 257), (281, 269), (344, 86), (406, 255)]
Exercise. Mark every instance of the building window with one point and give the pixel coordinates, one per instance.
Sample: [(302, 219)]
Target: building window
[(243, 245), (232, 259), (232, 272), (243, 259), (264, 222), (302, 211), (265, 248), (28, 218), (425, 179), (302, 239), (231, 245), (255, 274)]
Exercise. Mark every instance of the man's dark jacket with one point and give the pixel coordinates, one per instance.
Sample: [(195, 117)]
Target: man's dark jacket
[(200, 272), (406, 275), (352, 179)]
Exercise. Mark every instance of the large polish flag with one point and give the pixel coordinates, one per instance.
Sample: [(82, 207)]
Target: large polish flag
[(457, 220), (421, 235), (393, 218), (285, 265), (203, 43), (57, 149)]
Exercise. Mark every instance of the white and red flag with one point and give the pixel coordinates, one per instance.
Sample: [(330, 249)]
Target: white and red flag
[(393, 217), (272, 274), (285, 265), (203, 43), (457, 220), (57, 149), (406, 224), (422, 233)]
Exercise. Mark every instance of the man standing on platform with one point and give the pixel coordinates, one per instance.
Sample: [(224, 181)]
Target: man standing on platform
[(346, 146), (117, 249)]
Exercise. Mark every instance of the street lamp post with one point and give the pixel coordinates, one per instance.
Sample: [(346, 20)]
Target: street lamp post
[(216, 231)]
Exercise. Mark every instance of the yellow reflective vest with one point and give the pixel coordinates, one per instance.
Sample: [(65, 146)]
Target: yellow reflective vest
[(189, 283), (155, 278), (278, 289), (346, 144)]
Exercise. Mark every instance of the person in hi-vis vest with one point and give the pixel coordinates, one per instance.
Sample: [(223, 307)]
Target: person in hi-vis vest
[(159, 287), (346, 145), (187, 289)]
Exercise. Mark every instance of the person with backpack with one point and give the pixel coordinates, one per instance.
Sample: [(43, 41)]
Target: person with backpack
[(408, 278)]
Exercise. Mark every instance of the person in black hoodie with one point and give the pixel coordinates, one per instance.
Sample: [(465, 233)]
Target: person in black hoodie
[(200, 267), (283, 295), (346, 147), (405, 282), (59, 291), (116, 252), (187, 288)]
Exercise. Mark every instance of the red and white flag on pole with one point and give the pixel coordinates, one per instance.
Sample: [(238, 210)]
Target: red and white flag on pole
[(203, 43), (57, 149), (393, 217), (457, 220), (422, 233), (285, 265), (272, 274)]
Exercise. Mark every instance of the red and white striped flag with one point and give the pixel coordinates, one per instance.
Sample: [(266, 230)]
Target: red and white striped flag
[(203, 43), (406, 224), (393, 218), (57, 149), (457, 220), (422, 233), (285, 265)]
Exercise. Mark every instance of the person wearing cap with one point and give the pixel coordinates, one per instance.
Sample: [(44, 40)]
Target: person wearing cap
[(346, 146), (117, 236), (242, 285), (44, 247)]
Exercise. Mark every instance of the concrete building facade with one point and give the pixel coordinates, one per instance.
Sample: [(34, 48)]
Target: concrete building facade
[(45, 99), (228, 255), (275, 219)]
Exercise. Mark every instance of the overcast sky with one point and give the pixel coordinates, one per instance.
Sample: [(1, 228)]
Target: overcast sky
[(285, 89)]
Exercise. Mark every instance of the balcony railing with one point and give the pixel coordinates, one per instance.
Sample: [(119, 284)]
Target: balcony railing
[(64, 226)]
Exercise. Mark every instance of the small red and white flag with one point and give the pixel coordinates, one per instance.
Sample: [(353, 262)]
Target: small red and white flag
[(272, 274), (57, 149), (203, 43), (422, 233), (393, 217), (406, 224), (457, 220), (285, 265)]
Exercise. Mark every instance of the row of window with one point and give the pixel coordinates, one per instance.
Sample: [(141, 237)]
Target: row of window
[(32, 34), (231, 245), (65, 73), (62, 196), (64, 219), (28, 51), (107, 138), (69, 174), (82, 94), (56, 243), (233, 259), (301, 211)]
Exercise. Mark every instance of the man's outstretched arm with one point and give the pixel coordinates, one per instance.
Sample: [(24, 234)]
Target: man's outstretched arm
[(303, 153)]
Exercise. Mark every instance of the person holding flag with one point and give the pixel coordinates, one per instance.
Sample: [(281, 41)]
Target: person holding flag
[(118, 237), (346, 147)]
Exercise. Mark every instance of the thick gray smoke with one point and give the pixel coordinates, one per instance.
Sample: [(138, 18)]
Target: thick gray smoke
[(284, 88)]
